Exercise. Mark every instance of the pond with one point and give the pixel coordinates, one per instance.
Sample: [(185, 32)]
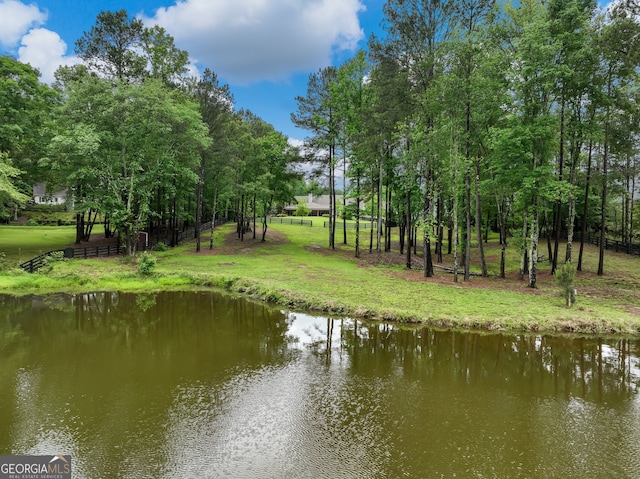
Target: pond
[(199, 384)]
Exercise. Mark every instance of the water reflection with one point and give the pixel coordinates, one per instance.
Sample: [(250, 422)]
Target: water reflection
[(175, 385)]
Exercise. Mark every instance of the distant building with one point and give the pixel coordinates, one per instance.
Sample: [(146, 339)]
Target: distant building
[(43, 197), (318, 205)]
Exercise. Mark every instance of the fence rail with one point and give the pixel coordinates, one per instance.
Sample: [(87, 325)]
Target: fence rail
[(290, 221), (352, 226), (617, 246), (34, 264)]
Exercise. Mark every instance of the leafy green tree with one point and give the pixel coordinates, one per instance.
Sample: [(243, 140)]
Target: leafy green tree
[(126, 140), (352, 100), (26, 108), (10, 197), (112, 47), (316, 114), (532, 79), (165, 61), (415, 29), (216, 109), (619, 45)]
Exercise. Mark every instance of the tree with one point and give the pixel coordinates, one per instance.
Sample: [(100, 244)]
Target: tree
[(10, 197), (112, 47), (316, 114), (126, 140), (532, 78), (216, 107), (619, 45), (415, 30), (352, 98), (26, 108)]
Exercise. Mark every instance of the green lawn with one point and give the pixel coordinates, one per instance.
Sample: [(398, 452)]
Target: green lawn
[(20, 243), (295, 269)]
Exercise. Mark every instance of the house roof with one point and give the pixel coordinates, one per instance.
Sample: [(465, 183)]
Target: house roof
[(320, 202), (39, 189)]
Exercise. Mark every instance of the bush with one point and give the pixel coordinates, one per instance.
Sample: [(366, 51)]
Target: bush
[(161, 246), (4, 264), (50, 259), (565, 277), (302, 210), (146, 264), (32, 222)]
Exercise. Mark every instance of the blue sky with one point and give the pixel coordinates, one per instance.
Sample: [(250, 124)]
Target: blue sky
[(264, 49)]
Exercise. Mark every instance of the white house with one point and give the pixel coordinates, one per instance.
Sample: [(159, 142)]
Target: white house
[(43, 197)]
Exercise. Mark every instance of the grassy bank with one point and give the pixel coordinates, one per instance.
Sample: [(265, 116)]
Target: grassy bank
[(293, 268)]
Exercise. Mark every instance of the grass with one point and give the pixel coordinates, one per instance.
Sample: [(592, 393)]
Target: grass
[(295, 269), (20, 243)]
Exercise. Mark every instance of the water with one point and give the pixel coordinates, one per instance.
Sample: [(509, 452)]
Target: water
[(181, 385)]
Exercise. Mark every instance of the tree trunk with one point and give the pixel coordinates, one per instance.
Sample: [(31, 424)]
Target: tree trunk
[(409, 227), (603, 204), (199, 194), (344, 201), (213, 217), (533, 254), (357, 240), (332, 198), (267, 207), (79, 227), (523, 247), (402, 230), (379, 229), (483, 262), (453, 232), (467, 233), (387, 215), (440, 222), (373, 195), (254, 215), (558, 218), (426, 237)]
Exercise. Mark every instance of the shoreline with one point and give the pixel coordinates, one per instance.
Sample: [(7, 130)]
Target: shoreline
[(291, 270), (255, 291)]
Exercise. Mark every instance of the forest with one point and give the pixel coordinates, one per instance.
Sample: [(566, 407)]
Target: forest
[(466, 116)]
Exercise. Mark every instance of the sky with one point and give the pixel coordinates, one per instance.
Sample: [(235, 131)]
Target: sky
[(263, 49)]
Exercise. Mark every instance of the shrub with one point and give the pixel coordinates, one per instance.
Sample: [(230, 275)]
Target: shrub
[(302, 209), (49, 260), (146, 264), (161, 246), (32, 222), (565, 277)]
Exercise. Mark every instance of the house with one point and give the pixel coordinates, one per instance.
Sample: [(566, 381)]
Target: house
[(43, 197), (318, 204)]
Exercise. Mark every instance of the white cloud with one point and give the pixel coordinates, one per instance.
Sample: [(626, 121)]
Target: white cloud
[(16, 19), (45, 50), (246, 41), (295, 142)]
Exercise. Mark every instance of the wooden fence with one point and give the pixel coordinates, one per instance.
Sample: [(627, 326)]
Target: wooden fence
[(617, 246), (34, 264)]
